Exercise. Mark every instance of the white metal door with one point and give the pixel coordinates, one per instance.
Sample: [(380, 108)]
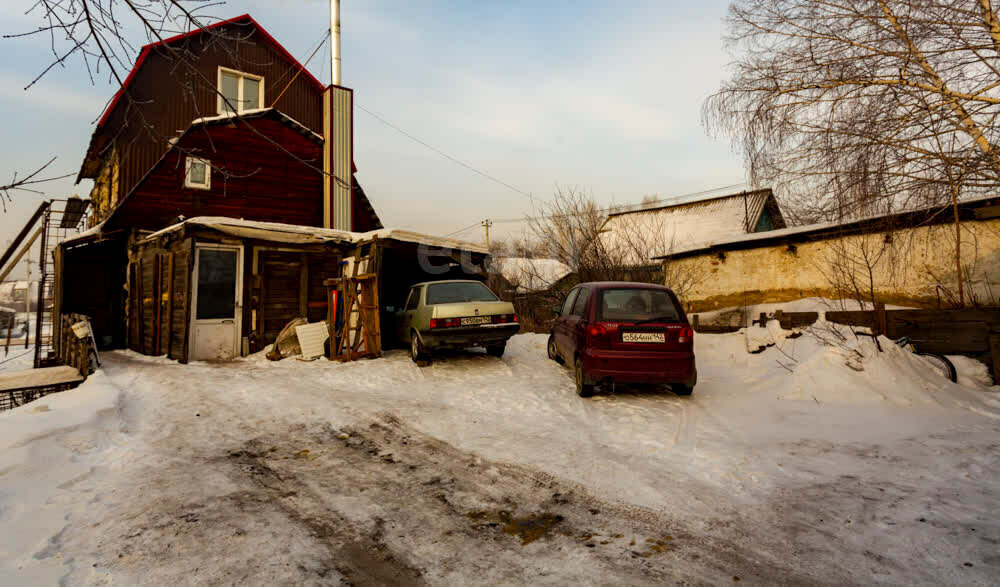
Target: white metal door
[(217, 302)]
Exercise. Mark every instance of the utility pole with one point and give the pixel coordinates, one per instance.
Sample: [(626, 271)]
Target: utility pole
[(27, 298), (487, 224)]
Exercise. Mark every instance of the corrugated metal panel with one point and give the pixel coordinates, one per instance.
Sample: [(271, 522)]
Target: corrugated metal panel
[(681, 226), (341, 141)]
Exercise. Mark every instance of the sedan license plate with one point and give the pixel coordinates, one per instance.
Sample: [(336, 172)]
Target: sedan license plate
[(474, 320), (643, 337)]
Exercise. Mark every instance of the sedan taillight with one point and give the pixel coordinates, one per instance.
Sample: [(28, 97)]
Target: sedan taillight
[(504, 318), (445, 322)]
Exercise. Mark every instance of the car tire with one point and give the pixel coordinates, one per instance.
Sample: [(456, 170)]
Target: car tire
[(680, 389), (497, 350), (553, 350), (584, 388), (417, 351)]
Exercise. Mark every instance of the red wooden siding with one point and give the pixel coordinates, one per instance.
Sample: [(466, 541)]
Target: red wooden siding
[(264, 182)]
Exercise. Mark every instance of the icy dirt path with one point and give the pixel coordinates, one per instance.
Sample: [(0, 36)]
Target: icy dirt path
[(382, 472)]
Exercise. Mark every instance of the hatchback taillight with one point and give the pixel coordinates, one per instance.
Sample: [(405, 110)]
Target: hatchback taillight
[(504, 318), (445, 322), (598, 336), (686, 335)]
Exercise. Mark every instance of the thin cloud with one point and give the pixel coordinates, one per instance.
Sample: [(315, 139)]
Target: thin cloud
[(49, 96)]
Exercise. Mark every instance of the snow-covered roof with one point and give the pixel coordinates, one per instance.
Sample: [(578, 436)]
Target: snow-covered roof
[(256, 113), (531, 274), (641, 234), (297, 234)]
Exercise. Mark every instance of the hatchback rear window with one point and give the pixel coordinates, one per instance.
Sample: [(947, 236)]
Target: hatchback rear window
[(466, 291), (633, 305)]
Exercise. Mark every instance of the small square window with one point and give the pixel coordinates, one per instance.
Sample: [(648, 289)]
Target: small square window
[(198, 174)]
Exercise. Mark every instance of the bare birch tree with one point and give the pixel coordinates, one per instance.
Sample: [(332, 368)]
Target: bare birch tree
[(857, 107)]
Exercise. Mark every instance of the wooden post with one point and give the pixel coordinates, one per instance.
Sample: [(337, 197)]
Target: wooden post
[(170, 306), (304, 286), (694, 322), (995, 353), (762, 321), (881, 322)]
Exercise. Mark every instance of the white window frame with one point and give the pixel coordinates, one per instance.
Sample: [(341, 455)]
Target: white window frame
[(187, 174), (220, 101)]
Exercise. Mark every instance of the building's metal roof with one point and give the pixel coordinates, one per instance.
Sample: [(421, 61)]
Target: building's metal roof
[(918, 216), (686, 223)]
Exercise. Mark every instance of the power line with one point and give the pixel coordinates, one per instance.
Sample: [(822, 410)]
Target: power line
[(443, 154), (634, 207), (471, 226)]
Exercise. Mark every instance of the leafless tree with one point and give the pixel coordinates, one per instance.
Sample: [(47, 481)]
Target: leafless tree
[(863, 107), (599, 245), (22, 183)]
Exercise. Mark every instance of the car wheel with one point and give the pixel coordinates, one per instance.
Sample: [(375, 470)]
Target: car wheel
[(583, 386), (497, 350), (682, 389), (417, 351), (553, 349)]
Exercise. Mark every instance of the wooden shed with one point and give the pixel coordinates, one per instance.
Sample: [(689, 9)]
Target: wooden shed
[(214, 288)]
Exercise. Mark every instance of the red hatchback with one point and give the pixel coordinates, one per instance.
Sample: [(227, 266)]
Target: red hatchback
[(629, 332)]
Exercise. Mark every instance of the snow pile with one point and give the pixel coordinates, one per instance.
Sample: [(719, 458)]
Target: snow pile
[(832, 364)]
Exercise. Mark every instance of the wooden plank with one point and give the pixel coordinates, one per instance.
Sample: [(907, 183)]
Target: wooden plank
[(43, 377), (995, 356), (170, 303), (156, 310), (987, 212), (186, 326), (303, 286), (864, 319)]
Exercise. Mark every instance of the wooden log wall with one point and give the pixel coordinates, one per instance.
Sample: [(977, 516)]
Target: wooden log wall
[(159, 290)]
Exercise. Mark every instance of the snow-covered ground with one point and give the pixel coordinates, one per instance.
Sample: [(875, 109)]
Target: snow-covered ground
[(807, 462)]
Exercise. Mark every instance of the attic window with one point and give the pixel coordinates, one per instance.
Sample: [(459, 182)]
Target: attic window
[(240, 90), (197, 174)]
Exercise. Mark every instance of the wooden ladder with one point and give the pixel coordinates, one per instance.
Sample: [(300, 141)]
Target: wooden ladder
[(359, 335)]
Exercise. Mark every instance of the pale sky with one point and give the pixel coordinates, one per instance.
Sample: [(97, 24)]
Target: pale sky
[(597, 95)]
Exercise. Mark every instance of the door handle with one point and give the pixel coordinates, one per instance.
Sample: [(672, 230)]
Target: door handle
[(228, 321)]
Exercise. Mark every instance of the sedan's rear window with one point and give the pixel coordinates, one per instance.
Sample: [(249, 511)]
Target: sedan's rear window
[(465, 291), (633, 305)]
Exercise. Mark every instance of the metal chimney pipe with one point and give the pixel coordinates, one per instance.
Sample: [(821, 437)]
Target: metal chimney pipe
[(335, 42)]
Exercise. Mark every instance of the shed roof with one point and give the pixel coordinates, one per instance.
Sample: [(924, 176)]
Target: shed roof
[(659, 229), (296, 234)]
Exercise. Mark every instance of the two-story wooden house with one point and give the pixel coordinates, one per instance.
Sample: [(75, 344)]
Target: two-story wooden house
[(220, 121), (224, 198)]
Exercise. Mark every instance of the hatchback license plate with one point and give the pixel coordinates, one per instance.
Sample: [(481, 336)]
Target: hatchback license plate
[(643, 337), (474, 320)]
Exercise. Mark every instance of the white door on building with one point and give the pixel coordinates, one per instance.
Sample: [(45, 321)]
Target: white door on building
[(217, 304)]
